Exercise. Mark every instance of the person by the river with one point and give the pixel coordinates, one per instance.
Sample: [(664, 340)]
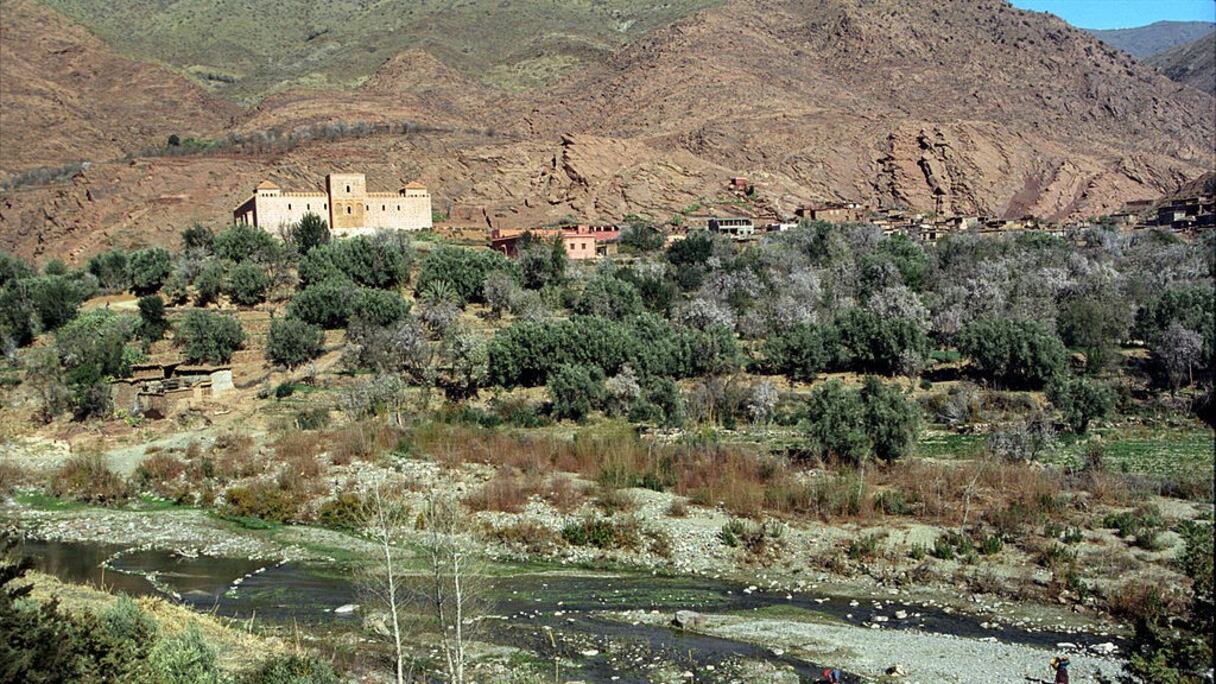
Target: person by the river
[(832, 676), (1060, 665)]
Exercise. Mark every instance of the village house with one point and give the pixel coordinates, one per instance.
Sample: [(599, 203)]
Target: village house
[(832, 212), (1188, 213), (156, 390), (738, 227), (581, 242), (346, 204)]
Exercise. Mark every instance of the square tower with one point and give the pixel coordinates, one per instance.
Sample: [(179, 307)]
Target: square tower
[(347, 200)]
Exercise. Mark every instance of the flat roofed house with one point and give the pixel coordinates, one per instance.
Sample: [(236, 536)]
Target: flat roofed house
[(735, 226), (346, 205)]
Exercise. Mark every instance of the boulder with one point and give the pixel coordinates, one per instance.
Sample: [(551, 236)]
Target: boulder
[(688, 619)]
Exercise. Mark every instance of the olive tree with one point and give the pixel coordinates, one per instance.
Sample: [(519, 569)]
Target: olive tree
[(208, 337), (292, 342)]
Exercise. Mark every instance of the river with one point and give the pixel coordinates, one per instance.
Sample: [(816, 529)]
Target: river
[(548, 613)]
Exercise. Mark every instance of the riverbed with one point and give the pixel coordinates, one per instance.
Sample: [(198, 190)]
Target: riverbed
[(613, 626)]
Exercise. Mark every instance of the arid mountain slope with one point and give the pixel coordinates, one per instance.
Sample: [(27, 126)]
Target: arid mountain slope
[(1000, 111), (1193, 63), (66, 96), (1145, 41), (969, 106), (249, 50)]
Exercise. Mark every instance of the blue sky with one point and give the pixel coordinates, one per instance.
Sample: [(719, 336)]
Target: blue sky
[(1102, 14)]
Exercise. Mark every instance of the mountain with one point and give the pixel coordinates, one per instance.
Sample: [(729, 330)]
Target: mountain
[(66, 96), (997, 110), (250, 50), (967, 106), (1192, 63), (1145, 41)]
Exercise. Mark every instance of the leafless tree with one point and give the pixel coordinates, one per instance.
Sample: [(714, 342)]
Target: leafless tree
[(385, 515), (452, 590)]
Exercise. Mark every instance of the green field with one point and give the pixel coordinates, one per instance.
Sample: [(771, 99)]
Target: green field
[(249, 50), (1152, 451)]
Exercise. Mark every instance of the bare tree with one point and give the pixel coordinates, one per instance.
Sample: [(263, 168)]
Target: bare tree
[(446, 595), (384, 517), (452, 591)]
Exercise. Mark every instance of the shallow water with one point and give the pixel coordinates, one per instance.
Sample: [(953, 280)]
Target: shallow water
[(532, 606)]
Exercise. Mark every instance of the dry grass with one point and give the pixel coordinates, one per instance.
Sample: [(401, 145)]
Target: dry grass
[(365, 440), (510, 492), (87, 478), (161, 474)]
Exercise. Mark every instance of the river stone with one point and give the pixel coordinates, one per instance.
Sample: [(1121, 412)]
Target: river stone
[(688, 619), (897, 670)]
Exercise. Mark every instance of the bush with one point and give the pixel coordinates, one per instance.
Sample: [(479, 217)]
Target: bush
[(1020, 354), (198, 238), (210, 282), (802, 352), (311, 231), (246, 243), (88, 479), (209, 337), (185, 658), (292, 342), (573, 391), (1081, 401), (327, 304), (246, 283), (603, 534), (609, 297), (464, 270), (853, 425), (371, 262), (377, 308), (870, 342), (261, 500), (54, 299), (148, 268), (152, 321), (344, 512), (110, 269), (291, 669)]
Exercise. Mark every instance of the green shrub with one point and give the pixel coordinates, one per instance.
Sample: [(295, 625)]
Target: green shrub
[(246, 243), (261, 500), (377, 308), (291, 669), (210, 281), (209, 337), (344, 512), (247, 283), (327, 304), (464, 270), (602, 534), (309, 232), (110, 269), (573, 390), (367, 261), (185, 658), (864, 547), (148, 269), (1081, 401), (1020, 354), (55, 299), (152, 321), (1143, 525), (292, 342)]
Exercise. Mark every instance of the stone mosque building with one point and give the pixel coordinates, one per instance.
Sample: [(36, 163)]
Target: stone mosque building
[(346, 204)]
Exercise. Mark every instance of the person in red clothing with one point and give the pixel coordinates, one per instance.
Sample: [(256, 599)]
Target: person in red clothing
[(1060, 665)]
